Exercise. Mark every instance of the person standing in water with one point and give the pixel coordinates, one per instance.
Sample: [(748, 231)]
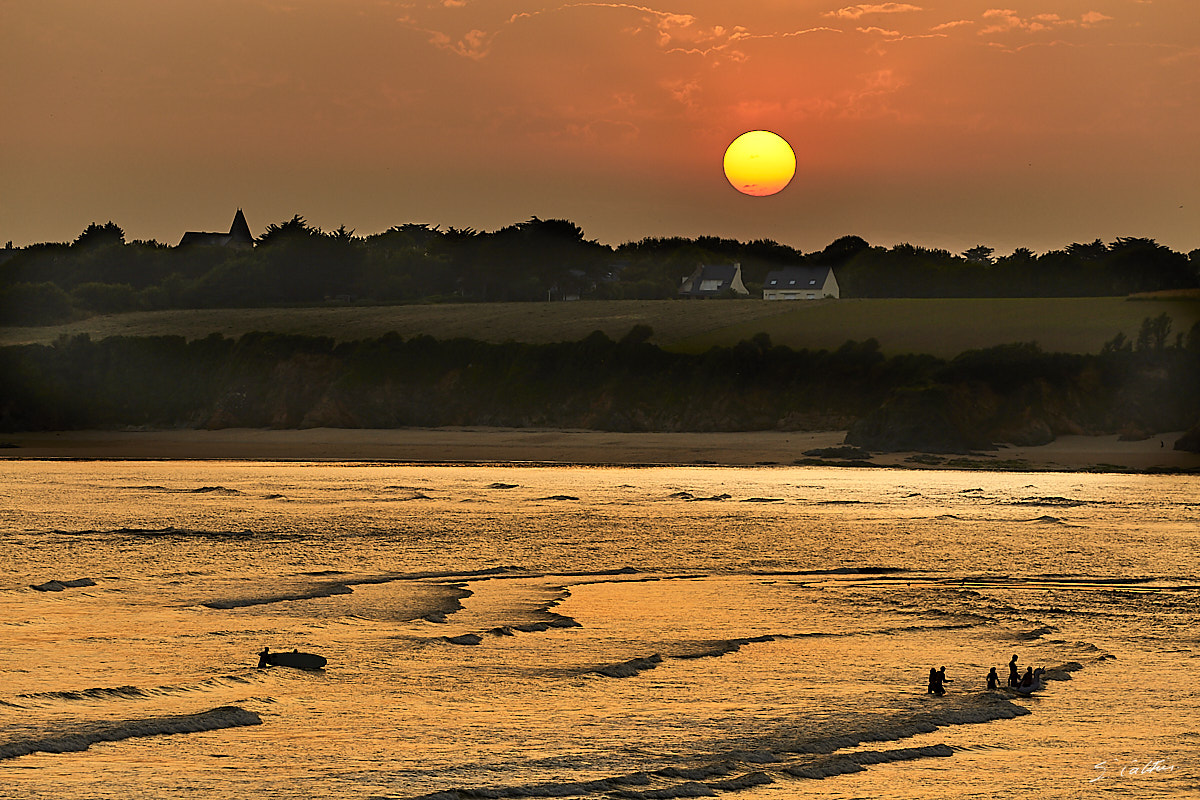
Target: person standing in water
[(937, 681), (993, 680), (264, 658), (1014, 676)]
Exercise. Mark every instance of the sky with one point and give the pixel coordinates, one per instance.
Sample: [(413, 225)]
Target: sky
[(948, 123)]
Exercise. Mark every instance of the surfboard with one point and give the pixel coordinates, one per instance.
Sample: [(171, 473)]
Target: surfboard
[(297, 660)]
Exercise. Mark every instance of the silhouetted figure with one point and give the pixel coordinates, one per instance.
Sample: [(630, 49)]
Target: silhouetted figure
[(933, 680), (937, 681), (1014, 677), (264, 658), (1027, 680), (993, 680)]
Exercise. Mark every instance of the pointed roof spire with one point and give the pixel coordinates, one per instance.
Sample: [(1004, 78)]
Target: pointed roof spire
[(239, 231)]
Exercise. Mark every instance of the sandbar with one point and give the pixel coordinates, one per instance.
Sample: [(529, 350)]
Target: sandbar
[(576, 447)]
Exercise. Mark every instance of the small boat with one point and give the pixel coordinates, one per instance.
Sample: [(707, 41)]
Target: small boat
[(296, 659), (1028, 689)]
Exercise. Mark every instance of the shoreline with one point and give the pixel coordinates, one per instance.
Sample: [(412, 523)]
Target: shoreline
[(530, 447)]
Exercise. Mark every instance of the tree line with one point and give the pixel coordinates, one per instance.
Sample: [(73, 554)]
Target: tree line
[(1012, 393), (295, 263)]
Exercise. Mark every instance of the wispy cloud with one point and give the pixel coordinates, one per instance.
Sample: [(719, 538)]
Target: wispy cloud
[(861, 10), (879, 31), (672, 32), (473, 44), (1004, 20)]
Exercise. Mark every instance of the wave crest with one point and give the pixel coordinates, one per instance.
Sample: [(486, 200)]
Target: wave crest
[(79, 740), (857, 762)]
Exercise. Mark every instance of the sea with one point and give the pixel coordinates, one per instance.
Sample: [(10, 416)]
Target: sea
[(532, 631)]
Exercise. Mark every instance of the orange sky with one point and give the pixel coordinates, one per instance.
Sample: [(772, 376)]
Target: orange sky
[(944, 124)]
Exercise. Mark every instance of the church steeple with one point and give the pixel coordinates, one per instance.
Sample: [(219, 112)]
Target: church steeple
[(239, 231)]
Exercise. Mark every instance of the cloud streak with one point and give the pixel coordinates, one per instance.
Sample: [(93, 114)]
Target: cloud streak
[(1006, 20), (862, 10)]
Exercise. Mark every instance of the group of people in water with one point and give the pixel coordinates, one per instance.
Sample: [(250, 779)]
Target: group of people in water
[(1027, 682)]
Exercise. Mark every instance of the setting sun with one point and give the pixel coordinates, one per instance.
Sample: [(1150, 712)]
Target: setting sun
[(759, 163)]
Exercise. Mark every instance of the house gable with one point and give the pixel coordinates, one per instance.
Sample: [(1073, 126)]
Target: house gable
[(801, 283), (713, 280)]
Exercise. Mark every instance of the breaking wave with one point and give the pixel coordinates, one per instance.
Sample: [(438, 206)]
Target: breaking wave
[(778, 760), (439, 600), (627, 669), (88, 734), (58, 586), (722, 647), (326, 590), (105, 693), (172, 533), (197, 490), (1060, 502), (857, 762)]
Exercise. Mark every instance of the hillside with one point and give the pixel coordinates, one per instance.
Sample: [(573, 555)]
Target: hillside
[(940, 327)]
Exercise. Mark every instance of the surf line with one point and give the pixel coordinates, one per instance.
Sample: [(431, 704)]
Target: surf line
[(79, 740)]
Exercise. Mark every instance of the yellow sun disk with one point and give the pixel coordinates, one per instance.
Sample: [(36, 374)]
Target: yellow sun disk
[(759, 163)]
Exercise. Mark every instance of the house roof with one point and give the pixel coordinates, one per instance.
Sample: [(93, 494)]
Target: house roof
[(203, 237), (239, 235), (797, 278), (725, 273), (711, 279)]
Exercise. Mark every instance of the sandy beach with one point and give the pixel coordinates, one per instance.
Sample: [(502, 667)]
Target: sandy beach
[(506, 445)]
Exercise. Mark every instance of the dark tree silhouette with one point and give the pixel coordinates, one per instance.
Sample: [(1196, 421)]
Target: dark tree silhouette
[(979, 254), (841, 250), (100, 235)]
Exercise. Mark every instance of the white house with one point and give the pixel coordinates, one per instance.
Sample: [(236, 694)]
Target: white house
[(801, 283), (714, 280)]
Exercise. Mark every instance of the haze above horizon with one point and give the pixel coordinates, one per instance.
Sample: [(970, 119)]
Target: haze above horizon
[(1067, 121)]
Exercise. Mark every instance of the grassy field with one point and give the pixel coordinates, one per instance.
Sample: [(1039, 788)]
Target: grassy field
[(942, 327), (946, 327)]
